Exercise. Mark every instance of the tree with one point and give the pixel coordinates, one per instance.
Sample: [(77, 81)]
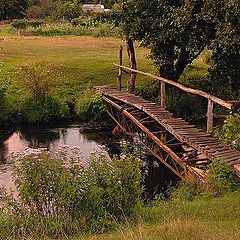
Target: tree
[(175, 31), (226, 49), (69, 11), (120, 16), (10, 9)]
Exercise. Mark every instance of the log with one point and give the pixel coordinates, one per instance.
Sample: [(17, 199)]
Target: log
[(163, 94)]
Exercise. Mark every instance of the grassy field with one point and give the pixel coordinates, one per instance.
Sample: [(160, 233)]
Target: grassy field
[(82, 60)]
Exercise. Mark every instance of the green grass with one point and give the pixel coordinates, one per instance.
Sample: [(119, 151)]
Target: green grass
[(203, 218), (80, 59)]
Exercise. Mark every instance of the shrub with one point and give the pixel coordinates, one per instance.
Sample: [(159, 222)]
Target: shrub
[(229, 133), (44, 109), (78, 22), (222, 177), (105, 30), (19, 24), (67, 193), (35, 23), (90, 105), (37, 80)]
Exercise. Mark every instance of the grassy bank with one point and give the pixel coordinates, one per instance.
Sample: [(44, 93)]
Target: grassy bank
[(79, 63), (212, 218)]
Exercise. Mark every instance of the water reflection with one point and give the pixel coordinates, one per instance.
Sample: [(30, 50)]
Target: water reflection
[(52, 138)]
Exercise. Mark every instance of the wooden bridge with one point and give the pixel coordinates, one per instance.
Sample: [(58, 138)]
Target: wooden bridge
[(184, 149)]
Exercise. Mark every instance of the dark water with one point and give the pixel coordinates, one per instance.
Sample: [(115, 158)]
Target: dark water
[(52, 138), (159, 176)]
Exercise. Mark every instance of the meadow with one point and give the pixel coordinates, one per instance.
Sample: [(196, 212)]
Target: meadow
[(79, 62), (82, 62)]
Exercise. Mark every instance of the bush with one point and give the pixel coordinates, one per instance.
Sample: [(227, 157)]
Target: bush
[(37, 80), (222, 177), (35, 23), (229, 133), (19, 24), (45, 109), (105, 30), (68, 194), (78, 22), (90, 105)]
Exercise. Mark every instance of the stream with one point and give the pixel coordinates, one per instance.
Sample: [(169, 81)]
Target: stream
[(51, 138)]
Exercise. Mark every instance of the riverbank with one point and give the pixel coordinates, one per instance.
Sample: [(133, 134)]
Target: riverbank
[(75, 64), (206, 217)]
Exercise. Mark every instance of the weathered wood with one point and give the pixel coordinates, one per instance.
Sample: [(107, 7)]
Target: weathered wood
[(210, 116), (132, 63), (181, 130), (186, 89), (163, 94), (119, 80)]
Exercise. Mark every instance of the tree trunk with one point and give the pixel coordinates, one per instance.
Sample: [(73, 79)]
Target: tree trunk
[(131, 56), (132, 63)]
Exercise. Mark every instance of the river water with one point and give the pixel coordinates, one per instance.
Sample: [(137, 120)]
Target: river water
[(52, 138), (72, 135)]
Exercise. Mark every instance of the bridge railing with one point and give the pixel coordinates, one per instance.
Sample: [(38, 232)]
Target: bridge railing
[(211, 99)]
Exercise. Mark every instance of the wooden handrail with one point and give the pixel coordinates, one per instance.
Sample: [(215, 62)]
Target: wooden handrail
[(180, 86)]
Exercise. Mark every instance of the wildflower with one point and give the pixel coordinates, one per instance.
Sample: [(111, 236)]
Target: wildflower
[(119, 182)]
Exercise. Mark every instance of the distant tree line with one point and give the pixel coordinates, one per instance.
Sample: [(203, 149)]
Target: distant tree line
[(14, 9)]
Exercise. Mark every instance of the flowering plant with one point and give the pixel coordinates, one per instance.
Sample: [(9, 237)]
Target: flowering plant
[(89, 191)]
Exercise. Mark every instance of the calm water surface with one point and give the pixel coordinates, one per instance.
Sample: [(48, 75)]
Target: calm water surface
[(52, 138)]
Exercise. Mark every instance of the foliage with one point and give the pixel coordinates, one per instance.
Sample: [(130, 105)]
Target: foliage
[(187, 190), (37, 80), (68, 193), (69, 11), (45, 109), (19, 24), (10, 9), (222, 178), (105, 30), (42, 9), (90, 105), (225, 72), (36, 85), (229, 133), (175, 31), (22, 24)]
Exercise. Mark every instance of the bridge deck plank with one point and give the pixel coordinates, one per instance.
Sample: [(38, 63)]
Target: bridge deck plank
[(181, 129)]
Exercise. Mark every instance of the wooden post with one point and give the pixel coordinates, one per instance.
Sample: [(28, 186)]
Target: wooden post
[(163, 94), (120, 69), (210, 116)]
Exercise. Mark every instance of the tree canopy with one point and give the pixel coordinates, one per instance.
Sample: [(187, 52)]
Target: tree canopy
[(10, 9), (177, 31)]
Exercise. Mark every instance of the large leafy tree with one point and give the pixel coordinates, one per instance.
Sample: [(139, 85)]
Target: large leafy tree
[(226, 49), (10, 9), (176, 31)]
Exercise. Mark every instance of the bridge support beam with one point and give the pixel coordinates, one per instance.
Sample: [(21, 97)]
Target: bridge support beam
[(210, 116), (119, 80), (163, 94)]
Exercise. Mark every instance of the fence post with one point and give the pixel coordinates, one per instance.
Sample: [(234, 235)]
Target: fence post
[(120, 70), (210, 116), (163, 94)]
